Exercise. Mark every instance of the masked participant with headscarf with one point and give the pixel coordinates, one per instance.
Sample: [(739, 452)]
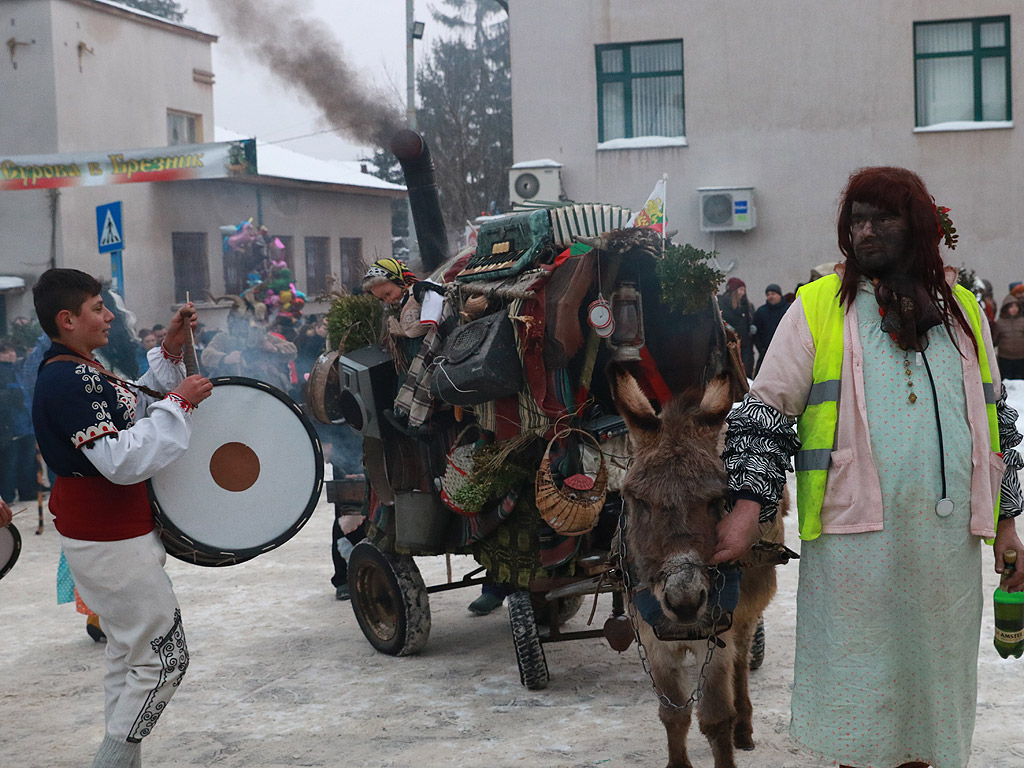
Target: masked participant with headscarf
[(905, 464)]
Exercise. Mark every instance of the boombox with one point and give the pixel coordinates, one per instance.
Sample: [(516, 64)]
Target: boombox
[(368, 386)]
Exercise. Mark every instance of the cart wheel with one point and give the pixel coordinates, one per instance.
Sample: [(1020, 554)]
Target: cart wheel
[(757, 646), (567, 608), (389, 600), (533, 667)]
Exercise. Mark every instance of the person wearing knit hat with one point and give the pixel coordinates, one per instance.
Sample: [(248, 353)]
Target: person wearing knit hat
[(767, 319), (737, 312)]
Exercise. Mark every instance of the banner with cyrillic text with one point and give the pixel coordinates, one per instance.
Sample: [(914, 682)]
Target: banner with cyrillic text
[(89, 169)]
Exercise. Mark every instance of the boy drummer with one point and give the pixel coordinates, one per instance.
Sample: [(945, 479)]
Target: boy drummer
[(104, 438)]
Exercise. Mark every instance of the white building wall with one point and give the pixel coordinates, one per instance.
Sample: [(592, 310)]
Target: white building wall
[(116, 94), (27, 90), (790, 97)]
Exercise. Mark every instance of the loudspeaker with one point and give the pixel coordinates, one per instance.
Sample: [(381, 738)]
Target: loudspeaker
[(479, 362), (368, 386)]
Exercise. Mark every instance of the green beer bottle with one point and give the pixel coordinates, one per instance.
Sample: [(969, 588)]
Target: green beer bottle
[(1009, 610)]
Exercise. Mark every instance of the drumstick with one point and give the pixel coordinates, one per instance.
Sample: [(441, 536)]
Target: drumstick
[(191, 358), (15, 514)]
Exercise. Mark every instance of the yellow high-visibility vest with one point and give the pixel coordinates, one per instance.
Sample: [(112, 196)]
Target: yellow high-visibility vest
[(816, 427)]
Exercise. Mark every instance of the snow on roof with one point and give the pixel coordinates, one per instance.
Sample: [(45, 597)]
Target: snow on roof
[(272, 160), (146, 14), (543, 163)]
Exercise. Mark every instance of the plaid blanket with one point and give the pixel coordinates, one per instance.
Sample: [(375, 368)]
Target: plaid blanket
[(413, 402)]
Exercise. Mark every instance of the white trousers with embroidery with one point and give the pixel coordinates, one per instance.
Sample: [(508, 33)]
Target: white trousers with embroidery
[(125, 584)]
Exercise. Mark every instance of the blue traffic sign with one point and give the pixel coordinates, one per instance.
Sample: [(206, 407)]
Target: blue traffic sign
[(109, 234)]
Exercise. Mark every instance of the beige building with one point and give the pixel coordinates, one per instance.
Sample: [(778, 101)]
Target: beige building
[(86, 76), (776, 102)]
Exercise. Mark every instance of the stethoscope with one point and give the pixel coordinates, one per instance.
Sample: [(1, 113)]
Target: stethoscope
[(944, 506)]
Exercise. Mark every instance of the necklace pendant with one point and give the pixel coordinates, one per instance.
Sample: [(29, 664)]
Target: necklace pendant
[(912, 398)]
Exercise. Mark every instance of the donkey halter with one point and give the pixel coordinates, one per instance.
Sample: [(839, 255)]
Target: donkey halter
[(713, 641)]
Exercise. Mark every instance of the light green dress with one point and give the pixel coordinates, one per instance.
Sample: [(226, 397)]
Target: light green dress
[(888, 622)]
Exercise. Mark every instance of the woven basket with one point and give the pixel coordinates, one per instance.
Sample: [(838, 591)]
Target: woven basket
[(569, 512), (458, 471)]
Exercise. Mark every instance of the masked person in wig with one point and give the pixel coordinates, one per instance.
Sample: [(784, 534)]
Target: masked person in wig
[(104, 437), (887, 370)]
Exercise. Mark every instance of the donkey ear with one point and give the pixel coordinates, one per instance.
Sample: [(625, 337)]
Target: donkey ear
[(632, 404), (717, 400)]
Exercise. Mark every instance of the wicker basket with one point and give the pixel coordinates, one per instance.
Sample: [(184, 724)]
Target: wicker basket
[(569, 512), (458, 471)]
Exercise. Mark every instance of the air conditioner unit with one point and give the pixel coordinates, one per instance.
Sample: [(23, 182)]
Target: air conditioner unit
[(727, 209), (535, 181)]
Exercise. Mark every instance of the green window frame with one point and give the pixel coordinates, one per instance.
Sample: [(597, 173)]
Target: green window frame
[(640, 89), (967, 69)]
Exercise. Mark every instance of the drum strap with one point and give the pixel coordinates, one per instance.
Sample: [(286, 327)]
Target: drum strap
[(106, 374)]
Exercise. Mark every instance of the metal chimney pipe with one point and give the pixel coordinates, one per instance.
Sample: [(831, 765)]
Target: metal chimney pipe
[(414, 155)]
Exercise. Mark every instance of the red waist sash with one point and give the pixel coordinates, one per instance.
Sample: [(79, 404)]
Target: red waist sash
[(95, 509)]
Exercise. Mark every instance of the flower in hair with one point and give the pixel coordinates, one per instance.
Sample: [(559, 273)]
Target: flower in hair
[(946, 228)]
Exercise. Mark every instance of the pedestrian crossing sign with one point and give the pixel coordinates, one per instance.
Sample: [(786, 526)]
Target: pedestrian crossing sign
[(108, 227)]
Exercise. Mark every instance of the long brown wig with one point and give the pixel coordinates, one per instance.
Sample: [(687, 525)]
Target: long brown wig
[(902, 192)]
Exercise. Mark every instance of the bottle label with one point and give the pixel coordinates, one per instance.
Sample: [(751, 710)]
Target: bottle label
[(1002, 636)]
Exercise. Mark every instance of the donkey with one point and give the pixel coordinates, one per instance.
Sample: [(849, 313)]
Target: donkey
[(675, 494)]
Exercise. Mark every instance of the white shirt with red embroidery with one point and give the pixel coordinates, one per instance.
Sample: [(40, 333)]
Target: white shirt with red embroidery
[(156, 439)]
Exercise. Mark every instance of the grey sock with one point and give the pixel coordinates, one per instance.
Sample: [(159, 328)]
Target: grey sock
[(114, 753)]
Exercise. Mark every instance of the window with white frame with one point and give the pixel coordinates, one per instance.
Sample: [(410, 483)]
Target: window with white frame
[(182, 128), (640, 90), (962, 70)]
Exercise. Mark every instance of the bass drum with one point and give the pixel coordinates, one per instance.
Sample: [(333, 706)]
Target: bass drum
[(249, 481), (10, 548)]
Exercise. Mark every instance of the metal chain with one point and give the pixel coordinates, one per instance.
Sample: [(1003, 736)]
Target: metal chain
[(716, 613)]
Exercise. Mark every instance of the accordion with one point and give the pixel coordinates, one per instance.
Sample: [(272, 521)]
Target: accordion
[(507, 246)]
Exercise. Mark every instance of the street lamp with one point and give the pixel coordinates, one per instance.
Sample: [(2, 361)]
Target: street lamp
[(413, 31)]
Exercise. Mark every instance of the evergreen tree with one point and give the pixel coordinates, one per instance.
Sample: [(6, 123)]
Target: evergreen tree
[(465, 92), (168, 9), (384, 165)]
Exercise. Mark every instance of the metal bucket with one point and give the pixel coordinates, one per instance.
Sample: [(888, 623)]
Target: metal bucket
[(421, 521)]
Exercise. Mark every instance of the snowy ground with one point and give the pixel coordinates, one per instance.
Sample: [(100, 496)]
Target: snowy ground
[(282, 676)]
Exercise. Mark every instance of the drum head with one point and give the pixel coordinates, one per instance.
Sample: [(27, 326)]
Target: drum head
[(248, 482), (10, 548)]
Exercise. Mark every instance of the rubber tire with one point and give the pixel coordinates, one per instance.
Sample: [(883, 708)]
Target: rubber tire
[(567, 608), (533, 667), (757, 646), (389, 599)]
